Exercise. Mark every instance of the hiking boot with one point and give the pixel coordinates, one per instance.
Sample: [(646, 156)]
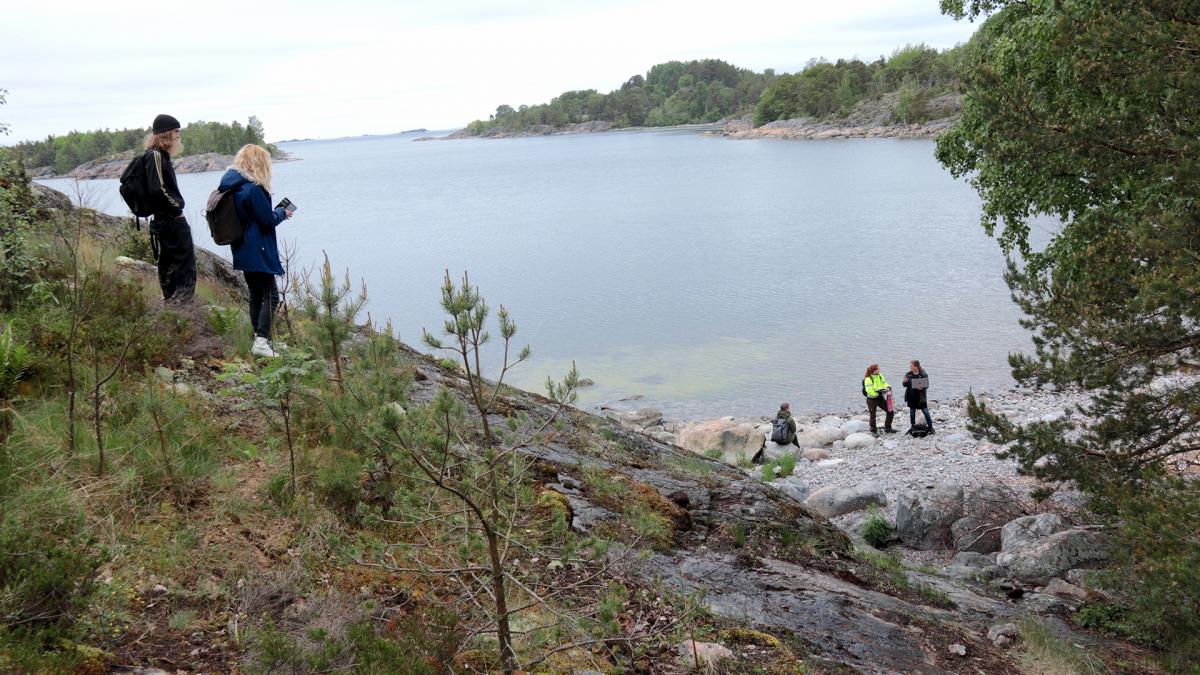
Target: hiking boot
[(890, 431), (262, 348)]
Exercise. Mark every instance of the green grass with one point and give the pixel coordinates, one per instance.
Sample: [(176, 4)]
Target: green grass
[(876, 530), (182, 619), (1047, 653)]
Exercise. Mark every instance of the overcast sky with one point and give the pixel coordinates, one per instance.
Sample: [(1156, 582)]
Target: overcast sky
[(327, 68)]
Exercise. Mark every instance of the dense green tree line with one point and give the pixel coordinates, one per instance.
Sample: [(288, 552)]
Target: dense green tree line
[(670, 93), (694, 92), (916, 72), (68, 151)]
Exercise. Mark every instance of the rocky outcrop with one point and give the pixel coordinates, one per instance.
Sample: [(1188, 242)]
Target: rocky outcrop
[(1056, 554), (869, 119)]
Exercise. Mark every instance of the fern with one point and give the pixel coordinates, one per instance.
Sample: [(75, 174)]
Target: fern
[(223, 319), (14, 363)]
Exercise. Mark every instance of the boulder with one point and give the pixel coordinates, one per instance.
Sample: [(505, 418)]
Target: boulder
[(834, 501), (854, 427), (986, 510), (1056, 554), (831, 421), (794, 488), (1063, 589), (736, 441), (818, 437), (1004, 634), (1026, 530), (924, 517), (816, 454), (860, 440), (772, 450), (634, 419)]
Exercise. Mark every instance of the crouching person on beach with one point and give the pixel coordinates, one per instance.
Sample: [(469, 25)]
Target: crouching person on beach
[(783, 429), (256, 254), (876, 388)]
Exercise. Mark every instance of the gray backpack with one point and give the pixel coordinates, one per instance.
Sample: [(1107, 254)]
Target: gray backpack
[(223, 222), (779, 431)]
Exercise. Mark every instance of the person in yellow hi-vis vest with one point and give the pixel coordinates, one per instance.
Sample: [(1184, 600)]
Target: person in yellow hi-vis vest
[(876, 388)]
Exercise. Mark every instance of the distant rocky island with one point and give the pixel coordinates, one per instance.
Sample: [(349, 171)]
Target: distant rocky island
[(113, 165)]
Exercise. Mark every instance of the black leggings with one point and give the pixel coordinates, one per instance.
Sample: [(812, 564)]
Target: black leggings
[(264, 298), (176, 258)]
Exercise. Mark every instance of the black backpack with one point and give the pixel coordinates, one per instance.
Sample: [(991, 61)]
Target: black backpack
[(223, 222), (919, 430), (864, 388), (134, 188), (779, 431)]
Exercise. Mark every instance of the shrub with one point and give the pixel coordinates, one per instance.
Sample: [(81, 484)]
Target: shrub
[(14, 362), (48, 564), (876, 529)]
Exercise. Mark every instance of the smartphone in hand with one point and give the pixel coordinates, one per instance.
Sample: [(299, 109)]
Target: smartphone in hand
[(286, 205)]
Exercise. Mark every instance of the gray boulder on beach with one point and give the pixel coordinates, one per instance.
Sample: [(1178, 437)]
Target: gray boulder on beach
[(924, 517), (835, 501)]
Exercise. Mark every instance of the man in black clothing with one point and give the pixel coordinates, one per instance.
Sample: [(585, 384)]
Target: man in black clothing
[(169, 230)]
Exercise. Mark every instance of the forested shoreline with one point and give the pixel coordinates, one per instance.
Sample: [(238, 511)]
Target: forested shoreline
[(65, 152), (709, 90)]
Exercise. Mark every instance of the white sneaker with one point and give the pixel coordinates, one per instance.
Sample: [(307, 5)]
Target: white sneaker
[(262, 347)]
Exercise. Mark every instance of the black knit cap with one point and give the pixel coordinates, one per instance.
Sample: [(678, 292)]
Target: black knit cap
[(164, 123)]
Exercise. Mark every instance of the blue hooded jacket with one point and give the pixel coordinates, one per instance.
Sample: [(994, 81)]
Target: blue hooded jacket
[(257, 250)]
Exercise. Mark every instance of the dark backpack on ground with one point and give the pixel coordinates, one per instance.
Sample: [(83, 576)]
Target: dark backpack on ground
[(779, 431), (919, 430), (223, 222), (135, 190)]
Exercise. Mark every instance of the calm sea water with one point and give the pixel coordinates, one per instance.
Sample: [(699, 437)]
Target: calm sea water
[(712, 277)]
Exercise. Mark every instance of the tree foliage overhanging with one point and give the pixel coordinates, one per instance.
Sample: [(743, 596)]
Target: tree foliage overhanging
[(708, 90), (68, 151), (1087, 111)]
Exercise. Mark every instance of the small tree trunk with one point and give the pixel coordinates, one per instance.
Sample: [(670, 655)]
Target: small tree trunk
[(508, 659), (96, 412), (162, 446), (286, 409)]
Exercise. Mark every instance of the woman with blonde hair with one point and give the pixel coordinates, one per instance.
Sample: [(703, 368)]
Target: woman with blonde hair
[(876, 388), (256, 254)]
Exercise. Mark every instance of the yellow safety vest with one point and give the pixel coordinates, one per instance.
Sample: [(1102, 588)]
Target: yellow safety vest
[(874, 384)]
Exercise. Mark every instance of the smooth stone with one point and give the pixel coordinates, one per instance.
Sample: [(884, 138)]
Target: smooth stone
[(835, 501), (859, 440)]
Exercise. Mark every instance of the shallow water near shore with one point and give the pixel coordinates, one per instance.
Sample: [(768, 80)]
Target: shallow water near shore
[(711, 277)]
